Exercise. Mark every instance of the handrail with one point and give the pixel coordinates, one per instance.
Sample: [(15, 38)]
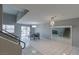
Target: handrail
[(23, 43), (13, 36), (10, 33)]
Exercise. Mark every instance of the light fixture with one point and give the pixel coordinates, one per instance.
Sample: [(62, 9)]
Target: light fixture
[(34, 26), (52, 21)]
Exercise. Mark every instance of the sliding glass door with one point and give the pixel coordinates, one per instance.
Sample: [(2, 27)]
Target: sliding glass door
[(25, 34)]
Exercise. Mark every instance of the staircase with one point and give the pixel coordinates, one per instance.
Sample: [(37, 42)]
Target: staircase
[(10, 44), (21, 14)]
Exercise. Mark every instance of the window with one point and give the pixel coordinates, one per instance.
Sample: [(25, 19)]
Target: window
[(25, 31), (8, 28)]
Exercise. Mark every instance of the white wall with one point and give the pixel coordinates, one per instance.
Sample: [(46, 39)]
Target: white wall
[(75, 37)]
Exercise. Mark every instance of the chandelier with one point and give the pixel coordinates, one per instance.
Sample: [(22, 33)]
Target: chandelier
[(51, 22)]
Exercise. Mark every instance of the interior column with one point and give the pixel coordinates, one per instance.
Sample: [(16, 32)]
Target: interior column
[(1, 17)]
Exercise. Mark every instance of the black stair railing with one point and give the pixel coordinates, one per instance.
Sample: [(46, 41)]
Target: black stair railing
[(13, 36)]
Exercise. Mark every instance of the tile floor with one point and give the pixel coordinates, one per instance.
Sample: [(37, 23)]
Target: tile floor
[(48, 47)]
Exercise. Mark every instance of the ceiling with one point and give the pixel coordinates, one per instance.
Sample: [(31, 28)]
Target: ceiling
[(10, 9), (42, 13)]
